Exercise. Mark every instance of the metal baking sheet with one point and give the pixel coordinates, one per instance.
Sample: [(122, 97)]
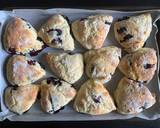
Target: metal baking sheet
[(36, 17)]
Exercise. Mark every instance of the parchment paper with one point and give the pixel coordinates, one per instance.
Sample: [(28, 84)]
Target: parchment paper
[(36, 17)]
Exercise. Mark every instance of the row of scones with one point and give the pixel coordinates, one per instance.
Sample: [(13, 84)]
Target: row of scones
[(99, 63)]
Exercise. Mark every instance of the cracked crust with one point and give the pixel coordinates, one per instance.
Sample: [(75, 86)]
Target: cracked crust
[(132, 97), (20, 99), (102, 63), (93, 98), (67, 67), (140, 66), (22, 70), (56, 33), (131, 33), (20, 37), (55, 94), (92, 31)]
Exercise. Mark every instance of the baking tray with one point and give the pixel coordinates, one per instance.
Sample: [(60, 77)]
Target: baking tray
[(33, 115)]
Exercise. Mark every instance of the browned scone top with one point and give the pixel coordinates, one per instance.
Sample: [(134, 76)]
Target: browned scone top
[(132, 97), (140, 65), (20, 99)]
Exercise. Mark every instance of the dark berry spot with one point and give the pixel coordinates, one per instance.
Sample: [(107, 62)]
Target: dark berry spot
[(126, 38), (59, 110), (39, 39), (108, 23), (29, 25), (59, 31), (147, 66), (34, 53), (82, 19), (57, 41), (12, 50), (121, 30), (55, 81), (31, 62), (96, 99), (124, 18)]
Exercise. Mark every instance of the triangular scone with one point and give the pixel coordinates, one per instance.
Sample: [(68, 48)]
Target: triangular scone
[(132, 32), (91, 31), (140, 65), (22, 70), (20, 37), (102, 63), (67, 67), (132, 97), (93, 98), (20, 99), (56, 33), (55, 94)]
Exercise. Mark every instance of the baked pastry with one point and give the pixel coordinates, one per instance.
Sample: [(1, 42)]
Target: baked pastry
[(93, 98), (20, 37), (22, 70), (101, 64), (139, 66), (55, 94), (132, 32), (66, 66), (56, 33), (20, 99), (91, 31), (132, 97)]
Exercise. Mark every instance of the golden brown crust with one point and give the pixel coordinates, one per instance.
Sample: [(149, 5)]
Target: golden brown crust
[(131, 33), (132, 97), (20, 99), (102, 63), (91, 32), (55, 94), (140, 65), (93, 98), (20, 37), (22, 70)]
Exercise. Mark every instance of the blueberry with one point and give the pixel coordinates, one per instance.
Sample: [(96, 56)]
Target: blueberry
[(121, 30), (126, 37), (147, 66), (31, 62), (96, 99), (57, 41), (12, 50)]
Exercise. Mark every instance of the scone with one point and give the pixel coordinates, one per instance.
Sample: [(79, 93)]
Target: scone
[(55, 94), (20, 37), (67, 67), (132, 97), (20, 99), (132, 32), (56, 33), (92, 31), (94, 99), (139, 66), (22, 70), (101, 64)]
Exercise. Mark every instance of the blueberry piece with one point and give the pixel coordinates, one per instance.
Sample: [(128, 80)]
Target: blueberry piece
[(121, 30), (108, 23), (123, 18), (55, 81), (96, 99), (147, 66), (31, 62), (12, 50), (57, 41), (126, 37)]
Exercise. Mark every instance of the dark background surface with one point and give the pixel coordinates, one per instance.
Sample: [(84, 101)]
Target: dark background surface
[(90, 4)]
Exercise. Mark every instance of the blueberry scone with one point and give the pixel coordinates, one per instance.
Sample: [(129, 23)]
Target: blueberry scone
[(132, 97), (56, 33), (67, 67), (20, 99), (140, 65), (20, 37), (132, 32), (93, 98), (55, 94), (101, 64), (22, 70), (91, 31)]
